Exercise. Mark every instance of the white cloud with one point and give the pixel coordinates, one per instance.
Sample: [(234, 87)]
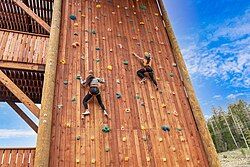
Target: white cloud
[(13, 133), (234, 96), (225, 53), (217, 97)]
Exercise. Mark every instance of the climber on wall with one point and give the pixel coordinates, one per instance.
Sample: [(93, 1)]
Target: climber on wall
[(146, 63), (94, 84)]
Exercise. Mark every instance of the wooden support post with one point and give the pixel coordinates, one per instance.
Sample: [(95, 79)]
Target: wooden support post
[(45, 123), (23, 115), (33, 15), (19, 94), (196, 109)]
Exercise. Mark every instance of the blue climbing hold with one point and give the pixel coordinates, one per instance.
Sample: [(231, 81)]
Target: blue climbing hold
[(165, 128), (106, 129), (72, 17)]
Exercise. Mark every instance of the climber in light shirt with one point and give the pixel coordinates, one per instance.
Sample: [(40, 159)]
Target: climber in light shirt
[(94, 84)]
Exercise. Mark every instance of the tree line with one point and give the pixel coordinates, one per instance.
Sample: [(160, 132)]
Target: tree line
[(230, 128)]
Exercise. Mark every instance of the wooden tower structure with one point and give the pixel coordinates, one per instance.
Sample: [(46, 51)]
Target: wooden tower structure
[(46, 45)]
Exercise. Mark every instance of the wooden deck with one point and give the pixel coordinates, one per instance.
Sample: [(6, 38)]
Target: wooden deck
[(17, 157), (107, 35)]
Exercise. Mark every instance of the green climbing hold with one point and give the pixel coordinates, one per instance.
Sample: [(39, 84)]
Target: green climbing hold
[(72, 17), (78, 77), (105, 129), (143, 7), (97, 60), (78, 137), (118, 95), (73, 99), (137, 97), (125, 62), (97, 48), (171, 74), (93, 32), (179, 129), (165, 128)]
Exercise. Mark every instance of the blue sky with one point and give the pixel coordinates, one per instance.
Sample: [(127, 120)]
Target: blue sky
[(214, 37)]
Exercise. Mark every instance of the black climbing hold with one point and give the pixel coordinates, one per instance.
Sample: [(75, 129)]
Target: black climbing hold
[(165, 128), (106, 129), (72, 17)]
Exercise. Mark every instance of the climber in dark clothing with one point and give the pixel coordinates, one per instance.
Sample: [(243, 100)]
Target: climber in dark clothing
[(94, 84), (146, 63)]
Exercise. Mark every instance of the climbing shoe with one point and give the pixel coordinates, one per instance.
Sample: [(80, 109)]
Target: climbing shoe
[(86, 112)]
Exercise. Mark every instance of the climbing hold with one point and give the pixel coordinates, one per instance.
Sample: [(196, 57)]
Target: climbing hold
[(97, 60), (174, 64), (143, 127), (109, 29), (113, 12), (133, 6), (110, 50), (120, 46), (97, 18), (171, 74), (97, 48), (142, 23), (65, 82), (152, 97), (159, 52), (127, 110), (126, 159), (160, 139), (187, 159), (103, 38), (92, 138), (126, 8), (158, 79), (78, 137), (163, 105), (72, 17), (173, 93), (122, 128), (118, 81), (93, 161), (107, 149), (182, 139), (161, 43), (142, 103), (68, 125), (93, 32), (59, 106), (174, 149), (156, 14), (175, 113), (109, 67), (98, 6), (78, 76), (124, 139), (63, 61), (125, 62), (179, 129), (77, 161), (83, 15), (76, 24), (164, 159), (106, 129), (156, 28), (137, 96), (75, 44), (118, 6), (119, 35), (75, 33), (144, 138), (165, 128), (168, 112), (148, 159), (143, 7), (118, 95), (134, 38), (120, 22), (134, 13), (73, 99)]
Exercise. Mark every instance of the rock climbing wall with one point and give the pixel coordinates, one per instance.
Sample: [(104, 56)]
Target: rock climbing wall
[(147, 127)]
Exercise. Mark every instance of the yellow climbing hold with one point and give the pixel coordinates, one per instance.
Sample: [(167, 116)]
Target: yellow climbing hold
[(160, 139), (92, 138), (143, 127), (187, 159), (142, 23), (163, 105), (98, 6), (164, 159), (77, 161), (111, 50), (68, 125), (148, 159), (126, 159), (158, 79), (83, 15), (63, 61), (124, 139), (93, 161), (182, 138), (156, 14), (109, 67), (152, 97), (174, 149), (76, 24)]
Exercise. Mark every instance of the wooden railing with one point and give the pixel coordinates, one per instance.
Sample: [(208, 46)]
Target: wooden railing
[(17, 157)]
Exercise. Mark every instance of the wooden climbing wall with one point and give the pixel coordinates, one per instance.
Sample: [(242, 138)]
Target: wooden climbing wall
[(107, 33)]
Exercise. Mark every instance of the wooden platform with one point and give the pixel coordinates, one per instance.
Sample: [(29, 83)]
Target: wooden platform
[(107, 35)]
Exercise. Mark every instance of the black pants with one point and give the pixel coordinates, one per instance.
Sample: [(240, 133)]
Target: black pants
[(149, 70), (93, 91)]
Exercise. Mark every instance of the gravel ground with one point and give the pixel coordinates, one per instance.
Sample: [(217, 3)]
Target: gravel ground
[(235, 158)]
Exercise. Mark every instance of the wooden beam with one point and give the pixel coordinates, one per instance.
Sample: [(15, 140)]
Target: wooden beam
[(23, 116), (196, 109), (33, 15), (45, 124), (19, 94), (22, 66)]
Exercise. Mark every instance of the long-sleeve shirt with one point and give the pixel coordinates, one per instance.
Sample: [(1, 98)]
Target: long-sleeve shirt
[(96, 82)]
